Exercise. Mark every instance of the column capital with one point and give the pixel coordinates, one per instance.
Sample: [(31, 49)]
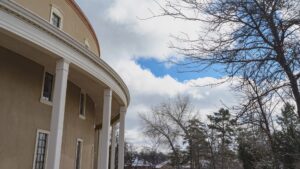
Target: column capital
[(62, 64), (108, 92), (123, 109)]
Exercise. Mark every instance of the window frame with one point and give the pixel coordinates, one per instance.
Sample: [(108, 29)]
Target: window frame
[(82, 116), (57, 20), (43, 99), (36, 144), (87, 44), (76, 153), (57, 12)]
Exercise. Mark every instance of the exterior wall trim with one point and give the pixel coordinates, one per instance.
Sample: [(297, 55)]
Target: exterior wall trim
[(19, 21), (42, 99), (84, 105), (57, 11), (35, 148), (80, 160)]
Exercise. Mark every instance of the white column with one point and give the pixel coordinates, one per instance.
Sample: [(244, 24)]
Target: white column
[(121, 138), (103, 150), (57, 116), (113, 147)]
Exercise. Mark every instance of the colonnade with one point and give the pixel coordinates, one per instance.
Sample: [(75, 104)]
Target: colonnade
[(57, 120)]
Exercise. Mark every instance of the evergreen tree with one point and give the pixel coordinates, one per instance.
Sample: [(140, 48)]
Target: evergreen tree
[(197, 143), (288, 139), (245, 155), (223, 125), (253, 149)]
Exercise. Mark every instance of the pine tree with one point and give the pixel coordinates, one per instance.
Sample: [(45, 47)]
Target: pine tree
[(222, 124), (288, 139), (197, 143), (253, 149)]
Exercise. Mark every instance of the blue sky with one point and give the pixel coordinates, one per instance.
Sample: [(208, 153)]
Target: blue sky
[(163, 68)]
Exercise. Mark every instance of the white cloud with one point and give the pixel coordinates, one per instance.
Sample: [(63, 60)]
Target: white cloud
[(147, 90), (123, 32), (124, 38)]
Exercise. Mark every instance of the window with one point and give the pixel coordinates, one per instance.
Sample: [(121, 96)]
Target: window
[(41, 150), (86, 44), (48, 86), (56, 17), (82, 101), (78, 154), (56, 20)]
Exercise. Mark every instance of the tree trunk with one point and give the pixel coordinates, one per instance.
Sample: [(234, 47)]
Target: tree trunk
[(291, 77)]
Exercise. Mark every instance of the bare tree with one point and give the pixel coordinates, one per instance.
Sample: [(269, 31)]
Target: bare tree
[(252, 39), (169, 122), (158, 127), (258, 111)]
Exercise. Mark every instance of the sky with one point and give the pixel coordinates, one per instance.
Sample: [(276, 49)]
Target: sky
[(138, 49)]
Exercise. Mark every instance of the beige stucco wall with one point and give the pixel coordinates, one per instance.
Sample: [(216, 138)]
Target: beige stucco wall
[(22, 114), (72, 22), (21, 111), (75, 127)]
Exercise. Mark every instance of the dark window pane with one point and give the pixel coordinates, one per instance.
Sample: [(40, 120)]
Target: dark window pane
[(78, 154), (48, 87), (41, 151), (82, 102), (55, 20)]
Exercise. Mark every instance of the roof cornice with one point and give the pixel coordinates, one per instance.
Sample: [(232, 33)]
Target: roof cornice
[(22, 13), (86, 21)]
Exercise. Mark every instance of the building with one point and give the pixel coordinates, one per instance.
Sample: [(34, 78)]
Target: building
[(59, 99)]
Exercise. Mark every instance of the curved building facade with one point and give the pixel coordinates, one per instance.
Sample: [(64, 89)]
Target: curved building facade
[(60, 103)]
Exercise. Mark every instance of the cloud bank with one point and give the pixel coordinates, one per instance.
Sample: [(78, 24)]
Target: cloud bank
[(125, 37)]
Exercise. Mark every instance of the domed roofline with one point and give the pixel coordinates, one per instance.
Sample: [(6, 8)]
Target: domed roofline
[(80, 13), (65, 45)]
